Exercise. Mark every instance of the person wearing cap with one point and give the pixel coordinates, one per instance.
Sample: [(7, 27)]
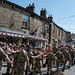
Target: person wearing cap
[(60, 58), (38, 62), (34, 51), (9, 66), (30, 53), (67, 58), (15, 59), (42, 53), (47, 52), (51, 59), (71, 52), (22, 58), (3, 55), (54, 48)]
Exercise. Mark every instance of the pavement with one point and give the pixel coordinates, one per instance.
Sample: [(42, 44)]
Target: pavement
[(70, 71)]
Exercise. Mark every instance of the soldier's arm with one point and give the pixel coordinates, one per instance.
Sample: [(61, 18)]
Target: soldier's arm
[(4, 54)]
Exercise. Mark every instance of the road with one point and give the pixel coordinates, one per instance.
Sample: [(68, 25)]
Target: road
[(70, 71)]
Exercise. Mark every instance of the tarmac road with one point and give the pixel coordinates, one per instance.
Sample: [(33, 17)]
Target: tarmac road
[(70, 71)]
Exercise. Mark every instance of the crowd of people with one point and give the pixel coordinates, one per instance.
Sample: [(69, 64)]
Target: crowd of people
[(23, 59)]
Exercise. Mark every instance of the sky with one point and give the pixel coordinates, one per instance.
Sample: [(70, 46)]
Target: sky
[(63, 11)]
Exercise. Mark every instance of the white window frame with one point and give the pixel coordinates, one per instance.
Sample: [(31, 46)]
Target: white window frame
[(26, 20)]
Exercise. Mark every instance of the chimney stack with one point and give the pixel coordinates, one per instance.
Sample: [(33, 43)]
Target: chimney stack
[(31, 7), (43, 12), (50, 18)]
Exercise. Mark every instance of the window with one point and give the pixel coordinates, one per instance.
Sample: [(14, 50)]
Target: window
[(53, 28), (43, 27), (53, 41), (25, 21)]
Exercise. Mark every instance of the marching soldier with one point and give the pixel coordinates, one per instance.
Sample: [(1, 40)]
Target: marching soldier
[(22, 57), (67, 58), (60, 58), (38, 62), (71, 52), (42, 53), (54, 49), (51, 59), (2, 55), (30, 60), (10, 56), (15, 59)]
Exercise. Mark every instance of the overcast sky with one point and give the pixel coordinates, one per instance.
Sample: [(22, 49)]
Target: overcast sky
[(63, 11)]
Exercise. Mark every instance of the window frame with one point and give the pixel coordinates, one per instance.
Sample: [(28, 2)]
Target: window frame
[(43, 28), (25, 20), (53, 28)]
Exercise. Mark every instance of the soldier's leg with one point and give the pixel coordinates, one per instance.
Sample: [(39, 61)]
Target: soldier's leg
[(57, 67), (49, 68), (35, 67), (58, 63), (40, 70), (8, 67), (0, 67), (69, 64), (64, 65), (21, 71)]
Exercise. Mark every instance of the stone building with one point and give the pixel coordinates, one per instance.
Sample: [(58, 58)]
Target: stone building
[(15, 23), (20, 23)]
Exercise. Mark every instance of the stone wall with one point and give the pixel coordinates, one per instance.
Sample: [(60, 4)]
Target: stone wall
[(12, 18)]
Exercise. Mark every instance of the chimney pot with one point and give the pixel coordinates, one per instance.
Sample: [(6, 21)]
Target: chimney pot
[(33, 4), (29, 4), (44, 8)]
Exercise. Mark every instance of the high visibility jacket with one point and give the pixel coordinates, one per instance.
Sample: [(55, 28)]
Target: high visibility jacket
[(47, 52)]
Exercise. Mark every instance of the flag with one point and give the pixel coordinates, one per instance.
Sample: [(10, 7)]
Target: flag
[(35, 32)]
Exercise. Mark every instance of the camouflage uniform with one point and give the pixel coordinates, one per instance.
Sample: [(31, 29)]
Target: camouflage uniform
[(22, 57), (60, 58), (54, 50), (30, 62), (2, 55), (38, 63), (51, 58), (9, 66), (67, 58), (71, 52), (15, 62)]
